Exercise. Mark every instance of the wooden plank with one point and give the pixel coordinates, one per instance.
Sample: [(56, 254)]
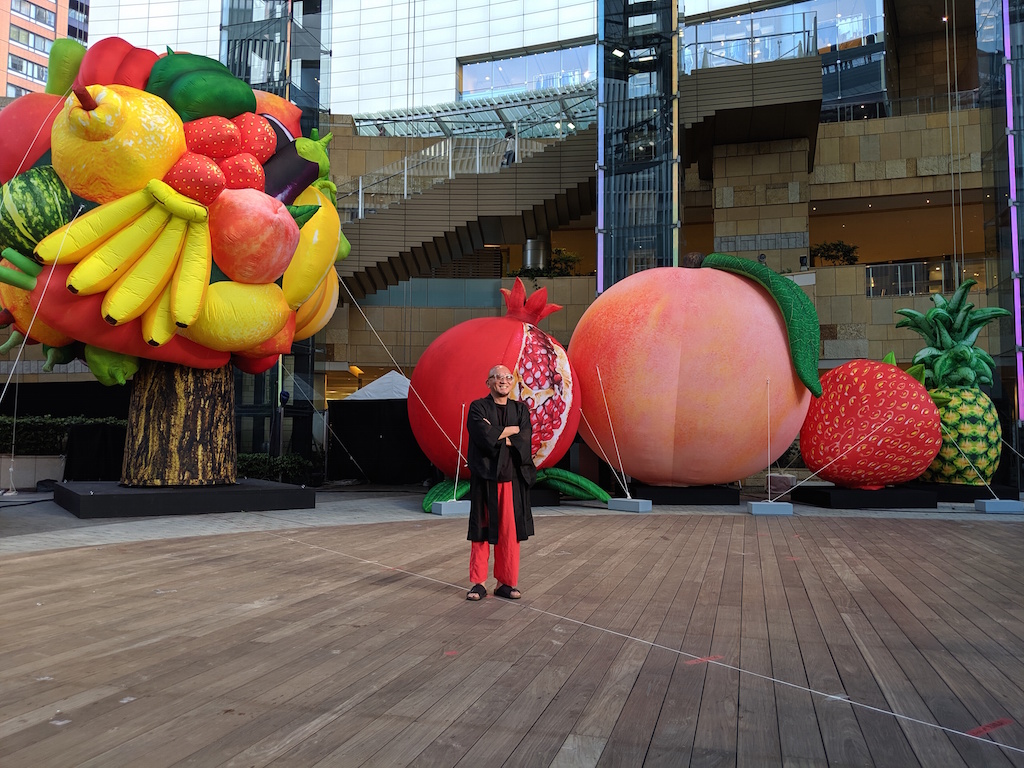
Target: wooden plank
[(355, 645)]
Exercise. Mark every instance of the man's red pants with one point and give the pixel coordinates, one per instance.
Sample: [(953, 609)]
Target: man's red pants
[(506, 551)]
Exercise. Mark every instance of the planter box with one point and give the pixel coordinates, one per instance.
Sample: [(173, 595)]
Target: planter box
[(29, 470)]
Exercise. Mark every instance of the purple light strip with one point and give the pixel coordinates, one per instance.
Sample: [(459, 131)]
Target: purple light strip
[(1014, 234), (601, 121)]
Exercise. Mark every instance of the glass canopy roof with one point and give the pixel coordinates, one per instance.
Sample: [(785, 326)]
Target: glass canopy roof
[(549, 112)]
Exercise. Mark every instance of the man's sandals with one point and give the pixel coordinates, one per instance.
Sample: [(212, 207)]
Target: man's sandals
[(478, 592)]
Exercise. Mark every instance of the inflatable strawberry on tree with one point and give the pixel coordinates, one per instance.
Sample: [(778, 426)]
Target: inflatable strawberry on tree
[(155, 224)]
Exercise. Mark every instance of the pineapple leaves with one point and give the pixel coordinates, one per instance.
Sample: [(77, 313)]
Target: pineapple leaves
[(797, 310), (957, 301), (926, 354), (918, 323), (950, 330)]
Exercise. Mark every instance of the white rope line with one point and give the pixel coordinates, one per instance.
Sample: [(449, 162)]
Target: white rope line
[(611, 427), (412, 389), (768, 410), (1008, 445), (837, 458), (607, 461), (678, 652), (35, 313), (458, 464), (951, 435)]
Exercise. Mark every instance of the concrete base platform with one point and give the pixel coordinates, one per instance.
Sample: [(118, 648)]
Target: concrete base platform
[(833, 497), (1000, 506), (88, 500), (689, 495), (629, 505), (451, 508), (769, 508)]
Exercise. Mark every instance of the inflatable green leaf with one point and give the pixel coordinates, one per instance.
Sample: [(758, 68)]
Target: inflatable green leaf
[(797, 310)]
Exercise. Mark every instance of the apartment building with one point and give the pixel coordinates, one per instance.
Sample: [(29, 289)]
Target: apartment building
[(27, 31)]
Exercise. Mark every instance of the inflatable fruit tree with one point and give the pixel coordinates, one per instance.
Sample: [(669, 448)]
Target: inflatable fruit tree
[(160, 218), (452, 372), (874, 425), (685, 371), (955, 369)]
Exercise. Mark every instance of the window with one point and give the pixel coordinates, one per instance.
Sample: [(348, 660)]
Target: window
[(26, 68), (36, 13), (14, 91), (552, 69), (30, 40)]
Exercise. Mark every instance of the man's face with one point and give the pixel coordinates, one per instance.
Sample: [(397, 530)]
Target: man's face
[(500, 381)]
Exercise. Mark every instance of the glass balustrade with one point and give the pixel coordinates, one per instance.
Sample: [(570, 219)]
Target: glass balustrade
[(921, 278)]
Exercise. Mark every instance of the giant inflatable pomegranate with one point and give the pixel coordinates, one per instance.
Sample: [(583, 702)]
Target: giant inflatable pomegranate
[(453, 371), (682, 368)]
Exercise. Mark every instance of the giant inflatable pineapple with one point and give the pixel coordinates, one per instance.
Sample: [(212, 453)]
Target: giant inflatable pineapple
[(955, 369)]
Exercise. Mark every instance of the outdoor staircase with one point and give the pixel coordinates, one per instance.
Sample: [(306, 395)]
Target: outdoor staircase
[(483, 204), (749, 103)]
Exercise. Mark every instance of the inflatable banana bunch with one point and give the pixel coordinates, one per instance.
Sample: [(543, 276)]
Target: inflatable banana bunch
[(148, 252)]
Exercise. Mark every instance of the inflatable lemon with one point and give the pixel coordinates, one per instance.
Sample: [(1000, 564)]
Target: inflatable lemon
[(114, 148)]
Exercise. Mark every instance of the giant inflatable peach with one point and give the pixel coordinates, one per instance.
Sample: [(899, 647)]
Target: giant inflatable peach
[(685, 372)]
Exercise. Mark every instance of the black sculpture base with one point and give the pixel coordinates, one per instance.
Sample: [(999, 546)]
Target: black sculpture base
[(832, 497), (965, 494), (87, 500), (544, 497), (686, 495)]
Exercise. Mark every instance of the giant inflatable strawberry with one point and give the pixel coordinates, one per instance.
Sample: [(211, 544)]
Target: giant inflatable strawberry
[(153, 220)]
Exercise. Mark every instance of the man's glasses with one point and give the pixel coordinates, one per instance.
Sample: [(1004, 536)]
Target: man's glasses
[(501, 377)]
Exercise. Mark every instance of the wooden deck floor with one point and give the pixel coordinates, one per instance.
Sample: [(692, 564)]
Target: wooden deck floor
[(641, 640)]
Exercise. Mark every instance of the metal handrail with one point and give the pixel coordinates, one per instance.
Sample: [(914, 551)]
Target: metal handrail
[(418, 173)]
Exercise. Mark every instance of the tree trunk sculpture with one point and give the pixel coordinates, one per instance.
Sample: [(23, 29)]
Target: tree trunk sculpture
[(181, 427)]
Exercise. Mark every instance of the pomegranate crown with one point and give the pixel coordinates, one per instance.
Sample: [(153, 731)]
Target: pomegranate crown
[(529, 310)]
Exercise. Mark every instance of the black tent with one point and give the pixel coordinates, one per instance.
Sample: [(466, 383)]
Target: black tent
[(371, 440)]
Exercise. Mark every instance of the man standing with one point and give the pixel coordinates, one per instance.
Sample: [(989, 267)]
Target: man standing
[(502, 471)]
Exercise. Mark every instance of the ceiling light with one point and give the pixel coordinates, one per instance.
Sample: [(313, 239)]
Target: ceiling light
[(572, 126), (617, 53)]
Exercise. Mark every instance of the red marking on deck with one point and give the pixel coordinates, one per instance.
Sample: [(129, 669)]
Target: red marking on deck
[(704, 660), (792, 559), (451, 653), (981, 730)]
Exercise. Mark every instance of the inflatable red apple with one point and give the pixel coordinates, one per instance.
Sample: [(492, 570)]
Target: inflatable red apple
[(253, 236)]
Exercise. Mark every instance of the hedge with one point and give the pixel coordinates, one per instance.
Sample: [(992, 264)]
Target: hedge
[(290, 468), (44, 435)]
